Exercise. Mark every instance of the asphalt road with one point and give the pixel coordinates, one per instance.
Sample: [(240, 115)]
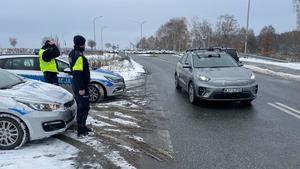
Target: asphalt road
[(228, 135)]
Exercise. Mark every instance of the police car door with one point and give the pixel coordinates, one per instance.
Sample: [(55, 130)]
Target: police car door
[(64, 76), (24, 66)]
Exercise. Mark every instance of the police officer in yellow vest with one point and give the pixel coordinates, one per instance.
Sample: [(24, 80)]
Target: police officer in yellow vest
[(81, 78), (48, 64)]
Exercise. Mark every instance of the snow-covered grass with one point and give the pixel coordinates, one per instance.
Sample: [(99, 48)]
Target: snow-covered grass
[(47, 154), (295, 66), (125, 66), (271, 72)]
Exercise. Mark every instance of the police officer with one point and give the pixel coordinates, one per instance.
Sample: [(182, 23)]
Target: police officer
[(81, 78), (48, 65)]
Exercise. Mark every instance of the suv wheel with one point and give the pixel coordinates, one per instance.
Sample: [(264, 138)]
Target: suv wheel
[(192, 96), (13, 133)]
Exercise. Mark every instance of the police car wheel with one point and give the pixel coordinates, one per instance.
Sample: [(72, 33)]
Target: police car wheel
[(11, 134), (96, 93)]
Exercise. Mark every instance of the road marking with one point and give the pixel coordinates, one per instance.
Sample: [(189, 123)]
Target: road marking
[(289, 108), (284, 110)]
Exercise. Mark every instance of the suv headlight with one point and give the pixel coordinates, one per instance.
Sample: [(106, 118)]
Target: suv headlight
[(252, 77), (203, 78), (113, 79), (40, 106)]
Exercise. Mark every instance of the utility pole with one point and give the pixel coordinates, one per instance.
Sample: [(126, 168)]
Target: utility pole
[(141, 27), (247, 28), (94, 25), (102, 28)]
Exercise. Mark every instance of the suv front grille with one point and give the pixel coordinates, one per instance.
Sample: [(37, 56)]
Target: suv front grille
[(232, 96)]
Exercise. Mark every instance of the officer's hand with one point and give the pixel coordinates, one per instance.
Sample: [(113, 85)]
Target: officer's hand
[(82, 92), (51, 42)]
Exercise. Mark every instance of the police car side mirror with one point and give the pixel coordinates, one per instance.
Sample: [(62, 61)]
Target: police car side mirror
[(67, 70), (240, 64)]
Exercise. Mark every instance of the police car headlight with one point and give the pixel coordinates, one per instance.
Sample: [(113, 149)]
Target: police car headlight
[(113, 79), (41, 106)]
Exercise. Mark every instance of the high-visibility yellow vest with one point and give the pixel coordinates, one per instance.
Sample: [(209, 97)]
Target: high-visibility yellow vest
[(47, 66)]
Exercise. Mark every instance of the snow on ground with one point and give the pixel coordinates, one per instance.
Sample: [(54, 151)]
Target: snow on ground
[(47, 154), (90, 120), (295, 66), (130, 70), (270, 72), (125, 66)]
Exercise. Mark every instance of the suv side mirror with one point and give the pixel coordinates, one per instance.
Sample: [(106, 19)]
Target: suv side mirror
[(67, 70), (240, 64)]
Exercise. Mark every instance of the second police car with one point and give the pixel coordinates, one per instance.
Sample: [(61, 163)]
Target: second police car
[(104, 83)]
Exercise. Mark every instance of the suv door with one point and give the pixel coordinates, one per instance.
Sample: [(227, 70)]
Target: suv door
[(187, 72), (179, 70)]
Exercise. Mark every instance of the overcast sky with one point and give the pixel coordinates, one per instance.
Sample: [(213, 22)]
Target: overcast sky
[(31, 20)]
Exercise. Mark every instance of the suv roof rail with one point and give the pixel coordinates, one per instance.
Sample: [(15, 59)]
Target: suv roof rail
[(204, 49)]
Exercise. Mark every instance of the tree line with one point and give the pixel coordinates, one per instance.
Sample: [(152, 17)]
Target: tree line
[(177, 35)]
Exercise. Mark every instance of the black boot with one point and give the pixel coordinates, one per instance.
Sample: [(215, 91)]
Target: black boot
[(87, 129), (81, 132)]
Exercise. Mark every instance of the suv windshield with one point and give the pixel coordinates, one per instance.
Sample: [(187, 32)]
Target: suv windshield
[(213, 60), (8, 80)]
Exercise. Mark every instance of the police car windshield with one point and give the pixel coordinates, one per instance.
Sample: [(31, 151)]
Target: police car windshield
[(213, 60), (8, 80)]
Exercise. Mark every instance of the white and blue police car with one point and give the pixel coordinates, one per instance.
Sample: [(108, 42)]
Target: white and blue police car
[(104, 83)]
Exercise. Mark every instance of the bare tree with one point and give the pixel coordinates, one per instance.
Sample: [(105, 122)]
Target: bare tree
[(267, 40), (108, 45), (226, 29), (201, 33), (173, 35), (91, 44), (13, 42)]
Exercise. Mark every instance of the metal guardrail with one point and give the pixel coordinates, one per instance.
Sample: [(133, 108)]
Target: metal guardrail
[(262, 57)]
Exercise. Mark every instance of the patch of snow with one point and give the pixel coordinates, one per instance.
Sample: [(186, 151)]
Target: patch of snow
[(295, 65), (130, 70), (121, 121), (125, 122), (97, 123), (47, 154), (270, 72), (122, 103), (137, 138), (118, 160), (129, 148), (116, 130), (124, 116)]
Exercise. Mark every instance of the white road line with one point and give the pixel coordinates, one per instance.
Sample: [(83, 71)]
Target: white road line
[(284, 110), (289, 108)]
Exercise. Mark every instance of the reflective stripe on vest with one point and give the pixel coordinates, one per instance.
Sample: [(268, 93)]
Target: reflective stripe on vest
[(47, 66), (78, 66)]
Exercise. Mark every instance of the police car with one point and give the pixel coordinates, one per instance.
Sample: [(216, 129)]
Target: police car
[(31, 110), (104, 83)]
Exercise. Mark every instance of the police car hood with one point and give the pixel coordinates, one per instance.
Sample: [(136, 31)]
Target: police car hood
[(105, 72), (37, 91)]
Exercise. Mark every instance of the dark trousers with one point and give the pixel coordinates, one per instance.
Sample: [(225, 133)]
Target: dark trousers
[(51, 77), (83, 107)]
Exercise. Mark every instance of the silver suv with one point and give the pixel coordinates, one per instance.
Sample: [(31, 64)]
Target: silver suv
[(214, 75)]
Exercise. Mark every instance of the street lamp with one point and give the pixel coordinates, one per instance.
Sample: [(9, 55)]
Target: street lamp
[(94, 24), (141, 25), (102, 28), (247, 28)]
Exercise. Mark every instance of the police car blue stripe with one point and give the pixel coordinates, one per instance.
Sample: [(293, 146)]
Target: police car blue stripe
[(21, 112)]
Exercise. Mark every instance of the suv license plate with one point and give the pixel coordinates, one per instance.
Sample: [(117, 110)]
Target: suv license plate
[(233, 90)]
